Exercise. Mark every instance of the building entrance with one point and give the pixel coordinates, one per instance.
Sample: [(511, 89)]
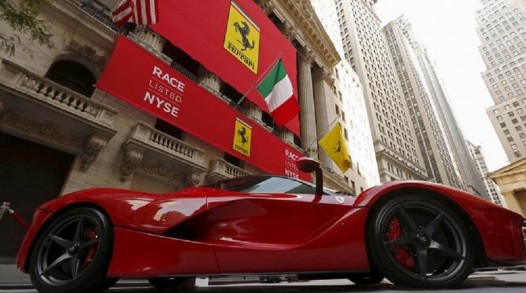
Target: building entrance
[(30, 174)]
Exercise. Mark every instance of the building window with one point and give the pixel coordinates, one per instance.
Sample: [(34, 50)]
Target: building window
[(72, 75), (232, 160), (168, 128)]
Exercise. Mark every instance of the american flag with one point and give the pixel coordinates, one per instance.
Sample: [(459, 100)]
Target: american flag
[(141, 12)]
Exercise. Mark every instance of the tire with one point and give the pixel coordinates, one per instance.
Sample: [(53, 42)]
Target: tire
[(172, 283), (72, 254), (418, 241)]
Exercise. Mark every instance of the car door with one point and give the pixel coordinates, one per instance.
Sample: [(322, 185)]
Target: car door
[(280, 232)]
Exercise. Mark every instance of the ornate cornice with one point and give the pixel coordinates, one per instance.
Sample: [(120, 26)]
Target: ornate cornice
[(43, 131), (300, 15)]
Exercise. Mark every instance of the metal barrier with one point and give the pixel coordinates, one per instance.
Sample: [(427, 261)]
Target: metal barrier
[(6, 208)]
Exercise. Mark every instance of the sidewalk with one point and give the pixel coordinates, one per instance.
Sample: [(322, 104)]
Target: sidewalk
[(11, 278)]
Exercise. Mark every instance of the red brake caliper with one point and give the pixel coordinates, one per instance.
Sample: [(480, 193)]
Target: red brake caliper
[(92, 235), (401, 254)]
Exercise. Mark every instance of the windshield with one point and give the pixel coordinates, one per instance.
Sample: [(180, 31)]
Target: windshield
[(267, 184), (264, 184)]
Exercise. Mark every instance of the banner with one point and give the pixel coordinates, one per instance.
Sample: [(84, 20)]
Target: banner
[(156, 88), (233, 39)]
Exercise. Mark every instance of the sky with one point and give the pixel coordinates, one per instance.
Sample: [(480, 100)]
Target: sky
[(447, 28)]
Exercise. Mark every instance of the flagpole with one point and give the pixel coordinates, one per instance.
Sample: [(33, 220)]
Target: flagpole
[(263, 75)]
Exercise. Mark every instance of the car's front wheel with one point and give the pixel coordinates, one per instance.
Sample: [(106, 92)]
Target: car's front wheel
[(72, 254), (418, 241)]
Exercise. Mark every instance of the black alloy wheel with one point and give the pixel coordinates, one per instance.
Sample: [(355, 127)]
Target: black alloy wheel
[(72, 254), (418, 241)]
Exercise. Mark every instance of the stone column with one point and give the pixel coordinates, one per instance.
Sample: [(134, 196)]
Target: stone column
[(287, 136), (209, 81), (324, 103), (148, 39), (254, 112), (306, 99)]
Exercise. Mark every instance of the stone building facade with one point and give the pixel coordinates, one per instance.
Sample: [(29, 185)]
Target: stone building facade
[(59, 133)]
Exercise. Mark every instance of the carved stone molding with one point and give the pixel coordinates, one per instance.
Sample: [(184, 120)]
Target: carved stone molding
[(306, 9), (265, 5), (43, 131), (131, 161), (87, 52), (155, 168), (324, 74), (192, 179), (93, 147), (289, 32), (307, 55)]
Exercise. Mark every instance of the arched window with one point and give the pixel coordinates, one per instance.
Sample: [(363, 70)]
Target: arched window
[(72, 75)]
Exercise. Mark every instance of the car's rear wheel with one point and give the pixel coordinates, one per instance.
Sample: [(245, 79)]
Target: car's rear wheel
[(163, 283), (72, 254), (419, 241)]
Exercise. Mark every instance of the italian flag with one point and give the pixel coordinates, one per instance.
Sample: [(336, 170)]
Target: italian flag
[(277, 91)]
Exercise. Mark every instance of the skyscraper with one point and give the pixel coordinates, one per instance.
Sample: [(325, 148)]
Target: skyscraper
[(350, 106), (491, 188), (502, 31), (425, 118), (445, 153), (365, 48)]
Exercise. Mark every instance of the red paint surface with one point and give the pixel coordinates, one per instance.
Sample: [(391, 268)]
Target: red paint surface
[(206, 231)]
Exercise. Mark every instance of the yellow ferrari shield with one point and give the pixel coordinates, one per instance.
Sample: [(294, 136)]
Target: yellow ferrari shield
[(242, 137), (242, 38)]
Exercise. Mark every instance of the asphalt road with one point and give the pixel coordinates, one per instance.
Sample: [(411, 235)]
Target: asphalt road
[(482, 282)]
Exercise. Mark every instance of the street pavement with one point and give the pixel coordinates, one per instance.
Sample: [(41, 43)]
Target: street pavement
[(11, 280)]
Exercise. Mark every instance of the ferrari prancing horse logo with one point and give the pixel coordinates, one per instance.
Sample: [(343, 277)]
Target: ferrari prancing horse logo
[(242, 37), (242, 137)]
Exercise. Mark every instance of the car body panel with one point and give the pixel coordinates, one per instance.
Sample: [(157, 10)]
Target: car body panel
[(142, 255), (208, 231), (276, 232)]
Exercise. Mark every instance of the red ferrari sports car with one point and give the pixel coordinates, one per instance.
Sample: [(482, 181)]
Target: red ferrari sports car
[(413, 233)]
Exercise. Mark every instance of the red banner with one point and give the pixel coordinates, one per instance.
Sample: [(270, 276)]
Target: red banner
[(137, 77), (233, 39)]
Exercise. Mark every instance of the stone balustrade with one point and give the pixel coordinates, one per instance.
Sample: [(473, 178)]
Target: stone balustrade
[(148, 146), (34, 86), (221, 169), (166, 143)]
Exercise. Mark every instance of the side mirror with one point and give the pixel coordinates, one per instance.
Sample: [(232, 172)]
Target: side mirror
[(309, 165)]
